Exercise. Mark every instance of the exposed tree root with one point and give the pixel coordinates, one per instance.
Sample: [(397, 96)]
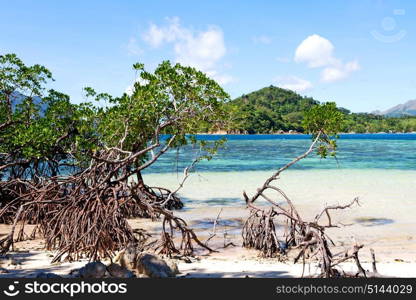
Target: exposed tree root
[(85, 215), (307, 237), (152, 195)]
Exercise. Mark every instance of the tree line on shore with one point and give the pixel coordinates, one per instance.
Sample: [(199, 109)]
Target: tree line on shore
[(276, 110)]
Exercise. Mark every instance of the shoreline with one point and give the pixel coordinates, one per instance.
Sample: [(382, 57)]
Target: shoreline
[(229, 262), (382, 222)]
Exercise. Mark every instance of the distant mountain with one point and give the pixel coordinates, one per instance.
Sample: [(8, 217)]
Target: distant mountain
[(18, 98), (405, 109)]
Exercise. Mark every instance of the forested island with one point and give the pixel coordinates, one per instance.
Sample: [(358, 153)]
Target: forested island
[(276, 110)]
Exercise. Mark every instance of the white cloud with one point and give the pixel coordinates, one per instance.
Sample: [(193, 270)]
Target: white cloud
[(352, 66), (332, 74), (202, 50), (155, 36), (293, 83), (129, 90), (317, 52), (221, 78), (262, 39), (133, 47)]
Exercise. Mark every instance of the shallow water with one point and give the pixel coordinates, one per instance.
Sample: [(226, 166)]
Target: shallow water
[(379, 169), (382, 193), (268, 152), (385, 218)]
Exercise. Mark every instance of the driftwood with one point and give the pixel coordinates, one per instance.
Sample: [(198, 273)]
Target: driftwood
[(309, 238)]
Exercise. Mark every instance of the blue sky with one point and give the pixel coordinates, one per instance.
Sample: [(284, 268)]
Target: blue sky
[(360, 54)]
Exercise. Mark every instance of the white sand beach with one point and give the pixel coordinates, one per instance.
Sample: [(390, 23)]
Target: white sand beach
[(384, 221)]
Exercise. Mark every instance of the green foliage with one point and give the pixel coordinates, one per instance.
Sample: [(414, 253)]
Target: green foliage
[(272, 109), (325, 118), (269, 110), (38, 131), (41, 133), (173, 100), (363, 123), (323, 122), (28, 125), (15, 76)]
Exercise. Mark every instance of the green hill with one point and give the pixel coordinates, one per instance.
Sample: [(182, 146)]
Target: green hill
[(269, 110), (273, 110)]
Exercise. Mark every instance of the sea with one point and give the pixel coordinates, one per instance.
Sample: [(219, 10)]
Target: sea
[(268, 152)]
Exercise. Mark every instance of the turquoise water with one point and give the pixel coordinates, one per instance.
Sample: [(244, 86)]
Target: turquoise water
[(268, 152)]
